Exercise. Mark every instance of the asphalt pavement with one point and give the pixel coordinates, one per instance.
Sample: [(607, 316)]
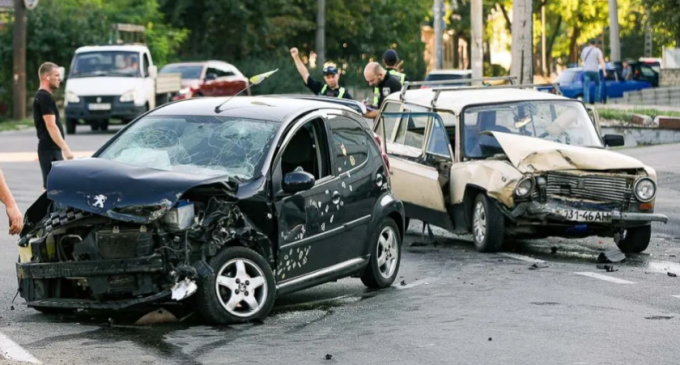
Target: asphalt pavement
[(450, 304)]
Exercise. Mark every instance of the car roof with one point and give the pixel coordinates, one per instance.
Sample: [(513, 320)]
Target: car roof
[(113, 47), (198, 63), (275, 109), (460, 98)]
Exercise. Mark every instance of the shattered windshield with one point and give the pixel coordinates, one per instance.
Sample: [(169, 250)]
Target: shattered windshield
[(106, 63), (561, 121), (197, 145)]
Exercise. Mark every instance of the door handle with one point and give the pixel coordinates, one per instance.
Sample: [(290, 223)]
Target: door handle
[(336, 197)]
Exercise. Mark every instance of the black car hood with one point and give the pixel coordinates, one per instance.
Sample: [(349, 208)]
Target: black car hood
[(121, 191)]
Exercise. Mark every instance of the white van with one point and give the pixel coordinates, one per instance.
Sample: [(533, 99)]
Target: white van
[(114, 82)]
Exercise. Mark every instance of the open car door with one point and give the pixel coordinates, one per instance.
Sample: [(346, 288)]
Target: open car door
[(420, 160)]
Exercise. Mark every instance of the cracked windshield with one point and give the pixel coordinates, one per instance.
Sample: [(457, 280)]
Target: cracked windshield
[(564, 122), (92, 64), (210, 146)]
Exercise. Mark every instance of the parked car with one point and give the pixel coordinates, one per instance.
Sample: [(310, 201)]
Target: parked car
[(444, 75), (641, 71), (505, 162), (238, 201), (209, 78), (571, 84)]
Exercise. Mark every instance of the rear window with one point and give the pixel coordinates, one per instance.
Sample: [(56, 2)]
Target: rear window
[(566, 77), (187, 71)]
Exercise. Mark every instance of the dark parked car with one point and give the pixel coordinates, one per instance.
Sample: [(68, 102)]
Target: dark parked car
[(209, 78), (642, 71), (237, 203)]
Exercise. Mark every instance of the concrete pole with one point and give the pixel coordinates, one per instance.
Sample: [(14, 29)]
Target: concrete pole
[(648, 34), (522, 41), (438, 34), (544, 63), (19, 74), (614, 45), (321, 34), (477, 58)]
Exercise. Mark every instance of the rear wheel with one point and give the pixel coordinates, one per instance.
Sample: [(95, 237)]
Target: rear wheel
[(385, 259), (488, 225), (94, 126), (241, 290), (635, 240)]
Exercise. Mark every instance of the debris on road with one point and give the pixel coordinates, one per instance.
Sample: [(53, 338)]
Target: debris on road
[(329, 356), (611, 256), (608, 268), (403, 283), (157, 316), (659, 317), (673, 275), (418, 244), (538, 265), (489, 338), (672, 255)]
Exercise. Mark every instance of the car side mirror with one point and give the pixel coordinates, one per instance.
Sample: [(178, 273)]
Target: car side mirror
[(613, 140), (211, 76), (153, 71), (297, 181)]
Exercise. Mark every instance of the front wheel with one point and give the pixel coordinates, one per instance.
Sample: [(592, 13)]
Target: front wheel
[(635, 240), (241, 290), (385, 259), (488, 225), (71, 125)]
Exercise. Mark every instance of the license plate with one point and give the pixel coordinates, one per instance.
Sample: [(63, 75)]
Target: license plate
[(102, 106), (584, 215)]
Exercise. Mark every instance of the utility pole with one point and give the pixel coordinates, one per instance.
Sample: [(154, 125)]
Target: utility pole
[(522, 41), (477, 57), (19, 71), (614, 45), (321, 33), (648, 34), (438, 34), (544, 64)]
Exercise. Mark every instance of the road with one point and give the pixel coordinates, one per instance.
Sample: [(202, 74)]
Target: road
[(450, 304)]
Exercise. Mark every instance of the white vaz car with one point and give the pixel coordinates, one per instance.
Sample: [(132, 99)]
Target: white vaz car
[(506, 162)]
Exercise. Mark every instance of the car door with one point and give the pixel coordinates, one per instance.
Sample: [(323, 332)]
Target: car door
[(357, 163), (416, 177), (613, 87), (211, 83), (307, 237), (149, 82)]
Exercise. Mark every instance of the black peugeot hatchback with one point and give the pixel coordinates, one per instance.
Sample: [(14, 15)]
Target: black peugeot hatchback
[(228, 201)]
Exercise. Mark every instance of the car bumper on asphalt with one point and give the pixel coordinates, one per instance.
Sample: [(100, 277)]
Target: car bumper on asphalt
[(559, 212), (108, 110)]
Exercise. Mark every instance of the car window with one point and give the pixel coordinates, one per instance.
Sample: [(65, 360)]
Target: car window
[(611, 75), (566, 77), (439, 141), (224, 71), (197, 145), (647, 72), (389, 122), (412, 131), (145, 65), (307, 151), (212, 70), (350, 143)]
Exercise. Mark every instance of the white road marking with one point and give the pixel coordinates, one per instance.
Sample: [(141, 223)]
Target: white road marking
[(662, 267), (676, 296), (604, 277), (522, 257), (10, 350)]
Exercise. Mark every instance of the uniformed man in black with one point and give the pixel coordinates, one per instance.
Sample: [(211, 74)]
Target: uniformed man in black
[(383, 84), (330, 74), (390, 60)]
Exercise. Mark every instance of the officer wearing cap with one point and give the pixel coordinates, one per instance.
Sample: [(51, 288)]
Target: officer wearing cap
[(330, 74), (390, 60)]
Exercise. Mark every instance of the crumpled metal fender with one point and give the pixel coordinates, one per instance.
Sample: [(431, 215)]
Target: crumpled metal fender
[(497, 178)]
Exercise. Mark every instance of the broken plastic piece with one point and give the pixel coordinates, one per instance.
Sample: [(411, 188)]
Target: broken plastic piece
[(329, 356), (538, 266), (611, 256), (184, 289), (608, 268), (673, 275)]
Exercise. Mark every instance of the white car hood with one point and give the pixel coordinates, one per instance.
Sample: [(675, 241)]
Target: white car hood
[(530, 154), (101, 86)]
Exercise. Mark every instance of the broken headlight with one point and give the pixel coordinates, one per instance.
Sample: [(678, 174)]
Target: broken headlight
[(645, 189), (524, 188)]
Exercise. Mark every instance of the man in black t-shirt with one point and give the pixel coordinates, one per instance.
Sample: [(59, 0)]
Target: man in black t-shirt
[(330, 74), (51, 144), (383, 84)]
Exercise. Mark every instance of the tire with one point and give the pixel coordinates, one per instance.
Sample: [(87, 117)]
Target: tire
[(213, 298), (53, 310), (94, 126), (386, 242), (71, 126), (104, 125), (635, 240), (488, 225)]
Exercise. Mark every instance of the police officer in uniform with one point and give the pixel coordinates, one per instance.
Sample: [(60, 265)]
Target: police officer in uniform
[(383, 84), (330, 74), (390, 60)]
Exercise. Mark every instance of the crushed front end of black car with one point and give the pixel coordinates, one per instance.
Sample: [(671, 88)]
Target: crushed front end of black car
[(107, 235)]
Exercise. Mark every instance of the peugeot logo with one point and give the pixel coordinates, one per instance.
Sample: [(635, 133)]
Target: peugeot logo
[(99, 100)]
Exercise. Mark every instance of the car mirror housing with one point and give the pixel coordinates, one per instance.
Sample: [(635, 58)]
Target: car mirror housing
[(613, 140), (297, 181)]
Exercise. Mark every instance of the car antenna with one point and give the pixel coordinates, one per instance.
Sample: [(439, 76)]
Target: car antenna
[(253, 81)]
